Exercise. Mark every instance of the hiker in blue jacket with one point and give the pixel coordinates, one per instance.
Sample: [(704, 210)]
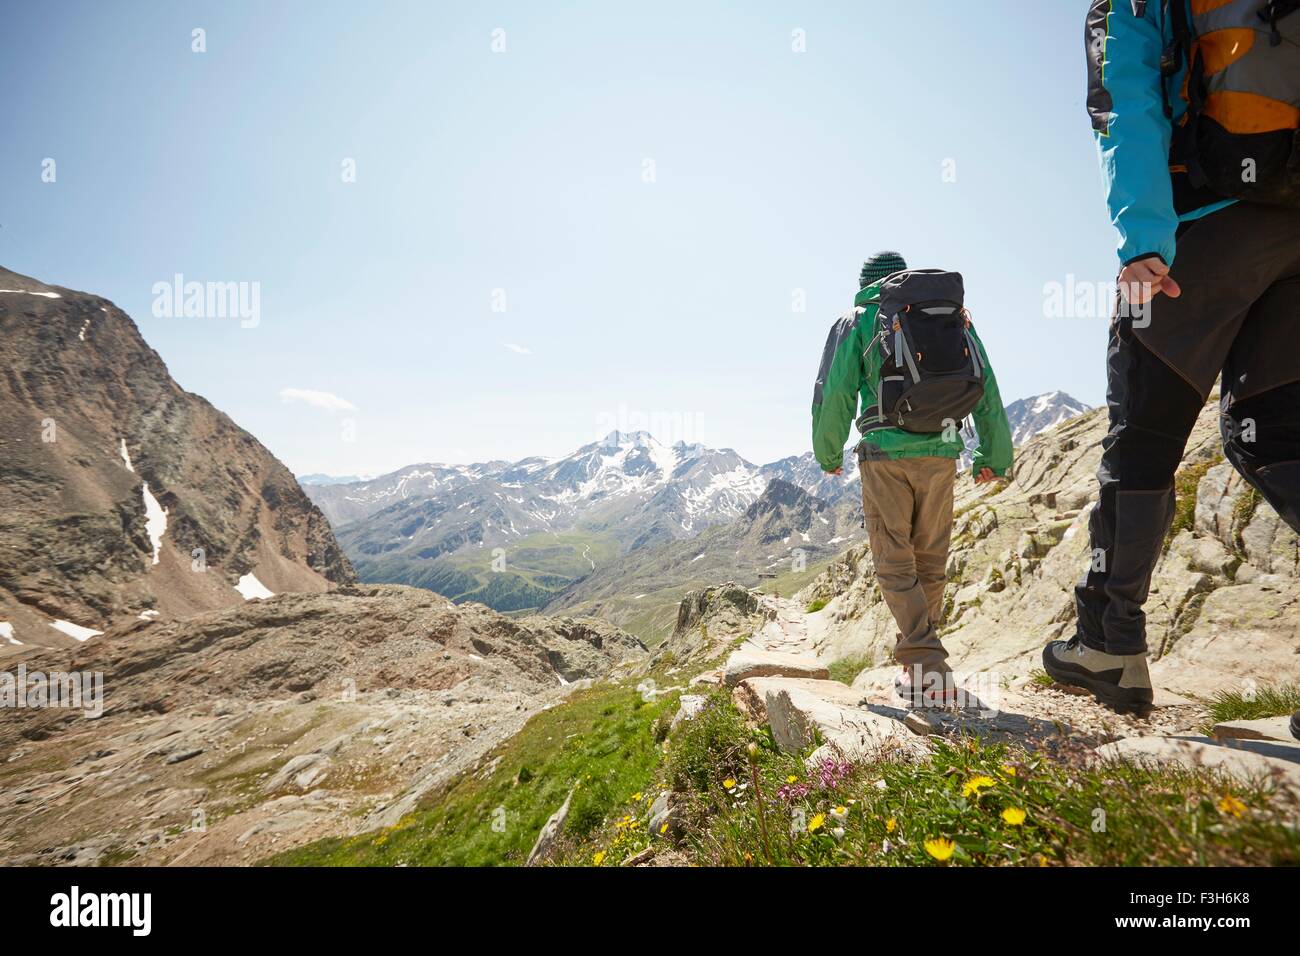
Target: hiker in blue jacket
[(1195, 105)]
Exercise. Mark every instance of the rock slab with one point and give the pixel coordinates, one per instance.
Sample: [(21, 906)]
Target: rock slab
[(752, 662)]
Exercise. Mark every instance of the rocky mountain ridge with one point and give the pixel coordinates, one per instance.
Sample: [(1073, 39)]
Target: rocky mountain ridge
[(126, 496)]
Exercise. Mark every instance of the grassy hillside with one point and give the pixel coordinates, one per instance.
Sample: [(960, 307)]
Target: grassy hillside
[(601, 742), (536, 569), (741, 801)]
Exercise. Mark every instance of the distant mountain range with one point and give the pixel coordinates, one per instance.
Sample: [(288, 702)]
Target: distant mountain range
[(780, 541), (319, 479), (517, 535), (514, 534)]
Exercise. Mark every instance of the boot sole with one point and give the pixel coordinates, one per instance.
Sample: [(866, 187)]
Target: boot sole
[(916, 701), (1119, 699)]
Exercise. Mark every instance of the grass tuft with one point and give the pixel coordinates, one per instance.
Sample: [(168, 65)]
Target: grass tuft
[(847, 668), (1270, 701)]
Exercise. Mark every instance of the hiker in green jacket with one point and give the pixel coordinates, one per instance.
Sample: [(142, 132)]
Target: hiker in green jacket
[(908, 475)]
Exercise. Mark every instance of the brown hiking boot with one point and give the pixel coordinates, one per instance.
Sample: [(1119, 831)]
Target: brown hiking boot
[(1120, 681)]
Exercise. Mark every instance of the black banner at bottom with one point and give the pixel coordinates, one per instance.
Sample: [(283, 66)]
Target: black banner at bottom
[(333, 906)]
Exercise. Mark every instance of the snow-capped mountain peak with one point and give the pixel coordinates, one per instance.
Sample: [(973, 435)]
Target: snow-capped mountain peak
[(1038, 413)]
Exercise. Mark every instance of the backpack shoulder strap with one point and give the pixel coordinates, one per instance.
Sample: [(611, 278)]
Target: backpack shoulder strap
[(1177, 52)]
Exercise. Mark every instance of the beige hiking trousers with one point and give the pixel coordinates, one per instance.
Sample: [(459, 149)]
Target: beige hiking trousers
[(908, 509)]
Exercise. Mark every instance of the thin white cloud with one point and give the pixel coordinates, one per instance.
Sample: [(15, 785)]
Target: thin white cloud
[(326, 400), (518, 348)]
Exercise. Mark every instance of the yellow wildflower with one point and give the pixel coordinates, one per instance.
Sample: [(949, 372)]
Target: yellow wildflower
[(891, 825), (663, 829), (816, 822), (729, 784), (1013, 816), (1009, 770), (1231, 805), (636, 798), (598, 858), (940, 848), (792, 779), (974, 785)]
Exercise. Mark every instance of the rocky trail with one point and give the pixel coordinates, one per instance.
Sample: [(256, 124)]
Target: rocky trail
[(1224, 617), (778, 676)]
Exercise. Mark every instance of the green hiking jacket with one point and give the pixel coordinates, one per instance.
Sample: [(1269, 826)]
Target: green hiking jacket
[(849, 373)]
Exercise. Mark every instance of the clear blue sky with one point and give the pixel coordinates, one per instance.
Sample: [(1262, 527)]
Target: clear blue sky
[(667, 302)]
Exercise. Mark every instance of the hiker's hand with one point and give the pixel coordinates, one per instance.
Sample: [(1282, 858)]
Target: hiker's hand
[(984, 476), (1143, 280), (837, 471)]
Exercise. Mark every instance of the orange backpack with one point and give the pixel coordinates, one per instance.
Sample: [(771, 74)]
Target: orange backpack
[(1240, 135)]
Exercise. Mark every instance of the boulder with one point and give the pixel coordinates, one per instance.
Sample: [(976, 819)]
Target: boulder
[(800, 712), (919, 722), (549, 832), (1245, 760), (1267, 728), (750, 662), (1270, 543), (698, 606), (750, 696), (665, 819), (302, 771)]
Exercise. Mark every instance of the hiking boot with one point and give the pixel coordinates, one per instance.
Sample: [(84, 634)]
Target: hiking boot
[(921, 689), (1120, 681), (1295, 725)]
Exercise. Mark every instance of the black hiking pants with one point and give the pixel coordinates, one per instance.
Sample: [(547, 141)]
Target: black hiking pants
[(1239, 314)]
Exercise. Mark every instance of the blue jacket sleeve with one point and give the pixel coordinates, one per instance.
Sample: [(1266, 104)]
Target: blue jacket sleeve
[(1125, 40)]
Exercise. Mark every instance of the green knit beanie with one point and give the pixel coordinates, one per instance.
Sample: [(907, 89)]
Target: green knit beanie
[(879, 266)]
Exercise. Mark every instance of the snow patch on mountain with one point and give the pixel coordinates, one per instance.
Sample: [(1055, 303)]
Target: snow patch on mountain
[(75, 631), (251, 588), (155, 520)]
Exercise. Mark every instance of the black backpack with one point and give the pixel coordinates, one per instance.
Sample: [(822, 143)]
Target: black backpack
[(931, 376)]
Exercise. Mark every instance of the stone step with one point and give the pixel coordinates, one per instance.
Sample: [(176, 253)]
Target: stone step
[(750, 696), (799, 710), (1247, 760), (750, 662), (1267, 728)]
